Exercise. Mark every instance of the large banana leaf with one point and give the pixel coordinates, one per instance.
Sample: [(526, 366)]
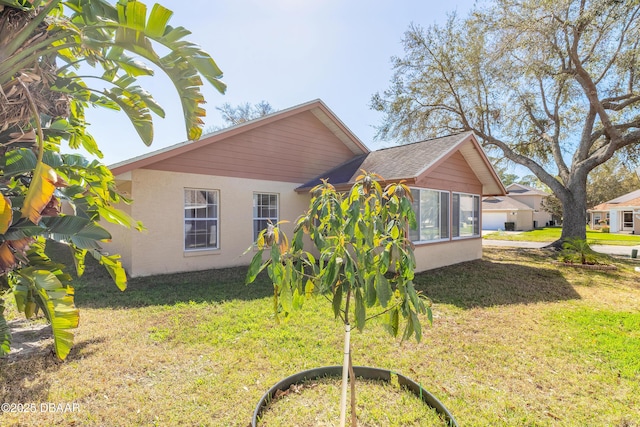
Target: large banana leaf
[(18, 4), (7, 258), (114, 268), (40, 191), (43, 287), (18, 162), (57, 303), (6, 214), (184, 64), (99, 34)]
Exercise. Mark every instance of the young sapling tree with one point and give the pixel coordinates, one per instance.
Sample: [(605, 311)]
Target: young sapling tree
[(362, 261)]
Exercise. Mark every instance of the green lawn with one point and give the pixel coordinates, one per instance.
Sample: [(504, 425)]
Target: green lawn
[(551, 234), (516, 341)]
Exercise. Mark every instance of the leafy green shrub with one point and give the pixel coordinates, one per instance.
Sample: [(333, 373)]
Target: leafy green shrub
[(578, 251)]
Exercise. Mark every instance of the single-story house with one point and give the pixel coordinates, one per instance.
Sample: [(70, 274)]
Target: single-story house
[(522, 205), (621, 214), (203, 202)]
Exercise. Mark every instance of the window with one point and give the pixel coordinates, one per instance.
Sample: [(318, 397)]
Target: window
[(432, 215), (200, 219), (465, 217), (265, 209)]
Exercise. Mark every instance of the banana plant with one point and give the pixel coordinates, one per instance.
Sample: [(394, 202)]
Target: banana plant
[(37, 283), (98, 34), (52, 53), (364, 261)]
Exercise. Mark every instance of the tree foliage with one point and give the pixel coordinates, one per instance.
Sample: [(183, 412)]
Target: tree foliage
[(550, 85), (610, 180), (606, 182), (56, 58), (235, 115), (364, 261)]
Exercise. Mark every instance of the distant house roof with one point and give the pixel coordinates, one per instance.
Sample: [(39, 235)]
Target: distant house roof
[(317, 107), (410, 161), (629, 200), (503, 204), (524, 190)]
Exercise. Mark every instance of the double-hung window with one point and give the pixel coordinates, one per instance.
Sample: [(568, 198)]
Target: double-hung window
[(465, 215), (200, 219), (265, 210), (432, 215)]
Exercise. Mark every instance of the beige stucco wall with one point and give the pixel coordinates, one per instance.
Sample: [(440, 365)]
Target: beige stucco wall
[(434, 255), (524, 220), (159, 204), (542, 217)]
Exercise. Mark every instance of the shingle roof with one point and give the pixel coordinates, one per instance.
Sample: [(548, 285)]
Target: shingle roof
[(503, 204), (626, 198), (394, 163), (521, 189), (631, 199), (632, 203)]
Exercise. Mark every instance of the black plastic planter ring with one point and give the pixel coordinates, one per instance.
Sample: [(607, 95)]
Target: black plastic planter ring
[(364, 372)]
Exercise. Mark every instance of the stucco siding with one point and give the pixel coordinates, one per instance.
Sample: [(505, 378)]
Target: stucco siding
[(159, 204), (120, 236), (524, 220), (294, 149), (541, 217), (435, 255)]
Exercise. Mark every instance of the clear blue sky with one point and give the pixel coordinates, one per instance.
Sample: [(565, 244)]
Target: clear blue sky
[(286, 52)]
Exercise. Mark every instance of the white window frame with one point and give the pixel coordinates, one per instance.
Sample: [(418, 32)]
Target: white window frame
[(441, 219), (475, 224), (257, 218), (211, 222)]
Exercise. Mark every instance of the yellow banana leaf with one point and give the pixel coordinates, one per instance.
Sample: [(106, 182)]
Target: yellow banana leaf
[(6, 214), (39, 193)]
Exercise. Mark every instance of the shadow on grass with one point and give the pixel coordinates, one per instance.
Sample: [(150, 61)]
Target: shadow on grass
[(485, 283), (95, 288), (26, 379), (501, 277), (200, 286)]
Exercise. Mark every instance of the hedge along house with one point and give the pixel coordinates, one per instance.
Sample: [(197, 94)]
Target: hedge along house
[(203, 202)]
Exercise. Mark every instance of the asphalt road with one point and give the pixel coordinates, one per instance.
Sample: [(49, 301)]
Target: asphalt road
[(605, 249)]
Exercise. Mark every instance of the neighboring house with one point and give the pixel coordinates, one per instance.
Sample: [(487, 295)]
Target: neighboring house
[(622, 214), (497, 211), (522, 206), (203, 202)]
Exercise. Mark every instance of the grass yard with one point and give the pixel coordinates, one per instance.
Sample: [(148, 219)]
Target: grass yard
[(551, 234), (516, 341)]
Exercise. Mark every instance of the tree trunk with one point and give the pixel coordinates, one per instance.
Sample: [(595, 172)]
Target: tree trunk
[(345, 375), (574, 216)]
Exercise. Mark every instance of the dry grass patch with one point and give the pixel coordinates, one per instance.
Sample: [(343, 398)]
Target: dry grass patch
[(515, 341), (378, 404)]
